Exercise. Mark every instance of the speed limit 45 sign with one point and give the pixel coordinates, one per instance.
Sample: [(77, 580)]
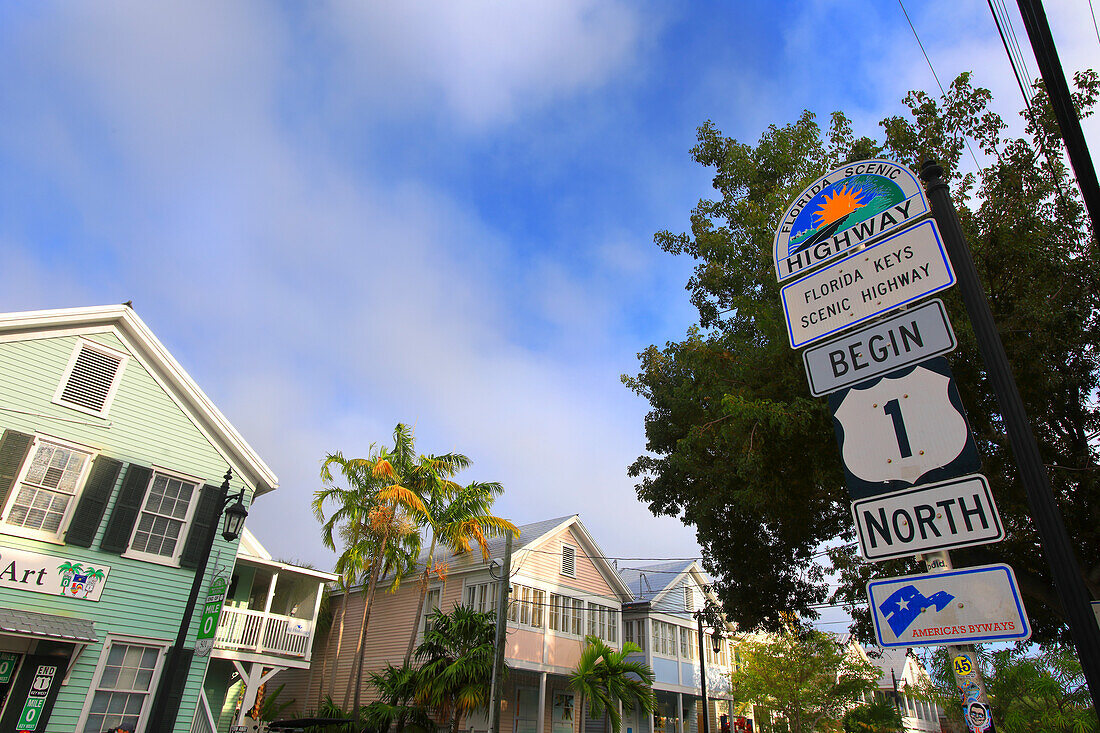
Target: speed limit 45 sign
[(903, 429)]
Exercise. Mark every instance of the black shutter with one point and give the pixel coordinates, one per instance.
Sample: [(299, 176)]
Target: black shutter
[(116, 538), (93, 502), (174, 688), (206, 514), (13, 450)]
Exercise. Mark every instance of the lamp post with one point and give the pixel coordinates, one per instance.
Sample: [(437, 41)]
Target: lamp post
[(716, 645), (174, 674)]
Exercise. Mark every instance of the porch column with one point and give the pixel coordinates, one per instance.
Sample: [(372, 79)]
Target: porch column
[(313, 621), (540, 724), (267, 612), (252, 677), (680, 712)]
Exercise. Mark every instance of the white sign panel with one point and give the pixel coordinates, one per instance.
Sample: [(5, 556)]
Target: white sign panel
[(843, 209), (910, 337), (955, 513), (900, 269), (55, 576), (967, 606), (902, 429)]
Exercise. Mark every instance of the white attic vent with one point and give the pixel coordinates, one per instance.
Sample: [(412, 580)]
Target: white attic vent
[(91, 378), (568, 561), (689, 598)]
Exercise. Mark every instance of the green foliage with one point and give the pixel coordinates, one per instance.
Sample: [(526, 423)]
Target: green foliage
[(879, 716), (1029, 689), (739, 449), (272, 707), (809, 678), (605, 677), (396, 707), (457, 663)]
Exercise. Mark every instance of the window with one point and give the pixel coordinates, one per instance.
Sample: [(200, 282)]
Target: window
[(566, 614), (431, 605), (91, 378), (665, 638), (52, 477), (525, 606), (602, 622), (122, 687), (168, 506), (687, 643), (635, 631), (568, 561), (628, 631), (689, 598), (482, 597)]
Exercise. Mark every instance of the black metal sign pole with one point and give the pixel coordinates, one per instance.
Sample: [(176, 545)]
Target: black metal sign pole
[(1048, 519)]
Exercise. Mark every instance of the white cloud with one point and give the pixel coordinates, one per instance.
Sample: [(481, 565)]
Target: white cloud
[(484, 61)]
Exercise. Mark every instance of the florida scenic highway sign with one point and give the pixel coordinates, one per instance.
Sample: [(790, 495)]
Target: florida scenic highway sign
[(956, 513), (967, 606), (843, 209), (900, 269), (905, 428), (912, 336)]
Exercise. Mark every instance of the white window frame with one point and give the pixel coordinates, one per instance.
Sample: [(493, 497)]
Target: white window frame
[(82, 343), (174, 561), (37, 534), (565, 546), (492, 591), (97, 676), (422, 626)]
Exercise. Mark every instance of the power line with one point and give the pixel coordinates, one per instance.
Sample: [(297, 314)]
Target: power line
[(935, 76)]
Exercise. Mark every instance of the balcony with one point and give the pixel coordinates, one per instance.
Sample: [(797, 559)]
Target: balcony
[(245, 630)]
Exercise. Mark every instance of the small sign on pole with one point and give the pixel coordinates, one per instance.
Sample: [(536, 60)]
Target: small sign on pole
[(955, 513), (901, 269), (885, 346), (905, 428), (967, 606), (211, 614)]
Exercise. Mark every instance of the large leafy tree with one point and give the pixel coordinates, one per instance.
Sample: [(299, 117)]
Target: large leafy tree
[(808, 678), (606, 677), (457, 663), (737, 446)]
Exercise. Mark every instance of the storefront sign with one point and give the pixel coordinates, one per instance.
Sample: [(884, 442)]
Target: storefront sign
[(55, 576), (36, 698)]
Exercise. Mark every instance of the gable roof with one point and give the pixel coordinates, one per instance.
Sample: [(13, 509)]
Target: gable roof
[(147, 349), (649, 581)]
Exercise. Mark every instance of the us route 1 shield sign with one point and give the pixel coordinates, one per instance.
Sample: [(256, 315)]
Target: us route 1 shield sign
[(843, 209), (885, 346), (905, 428), (967, 606), (900, 269), (956, 513)]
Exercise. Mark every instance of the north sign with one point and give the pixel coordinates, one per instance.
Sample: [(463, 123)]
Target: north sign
[(955, 513), (885, 346), (893, 272), (844, 208), (903, 429), (967, 606)]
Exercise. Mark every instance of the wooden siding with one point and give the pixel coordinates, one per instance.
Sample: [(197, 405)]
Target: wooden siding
[(544, 563), (673, 600), (144, 425)]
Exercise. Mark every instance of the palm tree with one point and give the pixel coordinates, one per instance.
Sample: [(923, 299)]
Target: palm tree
[(606, 677), (457, 516), (457, 656), (396, 706), (373, 518)]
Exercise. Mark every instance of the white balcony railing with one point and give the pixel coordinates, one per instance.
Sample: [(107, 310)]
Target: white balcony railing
[(264, 633)]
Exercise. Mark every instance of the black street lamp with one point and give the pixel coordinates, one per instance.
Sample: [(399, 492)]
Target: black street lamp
[(711, 614), (174, 675)]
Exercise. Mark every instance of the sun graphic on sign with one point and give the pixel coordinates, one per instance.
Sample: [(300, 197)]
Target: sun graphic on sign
[(839, 205)]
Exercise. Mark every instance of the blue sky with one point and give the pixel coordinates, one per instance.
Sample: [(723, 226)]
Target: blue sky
[(341, 215)]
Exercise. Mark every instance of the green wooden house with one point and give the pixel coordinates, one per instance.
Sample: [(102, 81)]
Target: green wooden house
[(110, 461)]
